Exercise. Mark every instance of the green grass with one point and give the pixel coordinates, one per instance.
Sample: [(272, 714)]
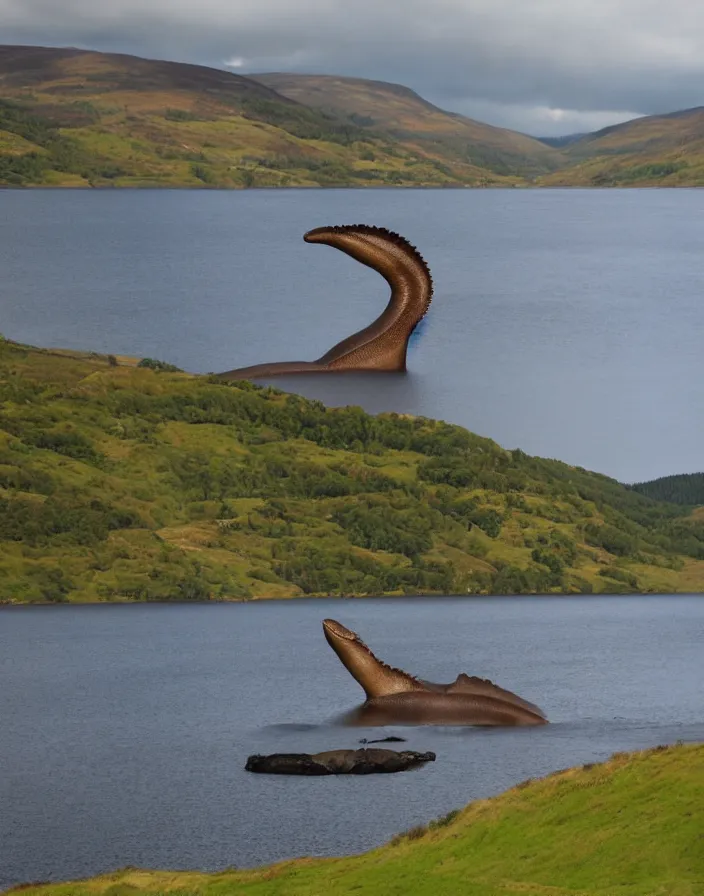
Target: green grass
[(122, 482), (632, 826)]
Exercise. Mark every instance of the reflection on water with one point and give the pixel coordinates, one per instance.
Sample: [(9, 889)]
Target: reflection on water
[(372, 391)]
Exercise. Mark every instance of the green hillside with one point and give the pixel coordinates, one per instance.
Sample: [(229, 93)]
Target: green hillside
[(659, 150), (685, 488), (630, 826), (403, 115), (120, 482), (73, 117), (77, 118)]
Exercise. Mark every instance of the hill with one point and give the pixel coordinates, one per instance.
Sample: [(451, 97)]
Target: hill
[(560, 142), (631, 826), (77, 118), (123, 482), (684, 488), (71, 117), (401, 114), (658, 150)]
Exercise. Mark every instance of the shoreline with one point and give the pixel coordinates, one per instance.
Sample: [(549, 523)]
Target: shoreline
[(355, 597), (356, 187), (512, 840)]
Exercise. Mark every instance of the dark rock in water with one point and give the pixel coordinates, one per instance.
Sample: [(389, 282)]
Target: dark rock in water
[(285, 764), (384, 740), (338, 762)]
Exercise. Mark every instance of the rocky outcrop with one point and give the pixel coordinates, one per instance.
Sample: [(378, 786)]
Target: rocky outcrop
[(338, 762)]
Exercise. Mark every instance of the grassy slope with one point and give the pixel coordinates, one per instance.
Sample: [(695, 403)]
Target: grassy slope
[(660, 150), (631, 826), (401, 113), (107, 119), (119, 483)]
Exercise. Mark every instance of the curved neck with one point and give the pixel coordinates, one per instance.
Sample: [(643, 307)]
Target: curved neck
[(383, 344), (376, 677)]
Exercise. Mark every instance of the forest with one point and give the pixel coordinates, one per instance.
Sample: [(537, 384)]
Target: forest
[(685, 488)]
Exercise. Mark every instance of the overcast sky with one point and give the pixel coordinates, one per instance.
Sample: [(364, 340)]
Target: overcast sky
[(545, 67)]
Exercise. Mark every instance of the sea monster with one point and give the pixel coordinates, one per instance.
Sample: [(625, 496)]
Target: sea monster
[(396, 698), (382, 345)]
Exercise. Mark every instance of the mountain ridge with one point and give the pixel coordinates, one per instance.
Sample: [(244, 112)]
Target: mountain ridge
[(75, 117), (71, 117), (414, 118)]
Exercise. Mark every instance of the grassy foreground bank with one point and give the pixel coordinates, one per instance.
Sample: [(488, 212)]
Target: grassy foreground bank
[(632, 826), (130, 483)]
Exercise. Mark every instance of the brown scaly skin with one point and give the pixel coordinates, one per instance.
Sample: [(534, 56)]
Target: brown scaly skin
[(396, 698), (382, 345)]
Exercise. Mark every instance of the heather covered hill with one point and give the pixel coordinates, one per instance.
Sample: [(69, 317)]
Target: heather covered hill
[(402, 114), (658, 150), (78, 118), (122, 482), (72, 117)]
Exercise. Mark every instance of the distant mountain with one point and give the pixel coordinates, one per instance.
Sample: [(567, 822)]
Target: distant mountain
[(403, 115), (74, 117), (662, 150), (684, 488), (71, 117), (560, 142)]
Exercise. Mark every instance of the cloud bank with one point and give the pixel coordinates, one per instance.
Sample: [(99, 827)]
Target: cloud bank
[(546, 67)]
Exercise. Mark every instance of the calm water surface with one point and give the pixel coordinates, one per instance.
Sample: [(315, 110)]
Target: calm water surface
[(568, 323), (124, 729)]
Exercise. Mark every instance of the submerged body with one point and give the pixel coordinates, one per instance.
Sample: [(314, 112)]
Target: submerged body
[(435, 708), (396, 698), (382, 345)]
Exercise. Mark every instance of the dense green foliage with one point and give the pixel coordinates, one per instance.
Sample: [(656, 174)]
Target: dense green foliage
[(632, 826), (59, 153), (685, 488), (302, 121), (147, 483)]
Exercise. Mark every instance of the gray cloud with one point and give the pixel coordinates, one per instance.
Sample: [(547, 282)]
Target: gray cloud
[(542, 66)]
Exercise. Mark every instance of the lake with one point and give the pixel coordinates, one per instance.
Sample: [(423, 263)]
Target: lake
[(124, 729), (568, 323)]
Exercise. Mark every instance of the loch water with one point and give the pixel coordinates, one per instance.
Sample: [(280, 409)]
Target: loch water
[(568, 323), (124, 729)]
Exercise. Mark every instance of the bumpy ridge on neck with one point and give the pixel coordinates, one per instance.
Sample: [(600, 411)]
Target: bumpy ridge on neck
[(392, 236), (384, 665)]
